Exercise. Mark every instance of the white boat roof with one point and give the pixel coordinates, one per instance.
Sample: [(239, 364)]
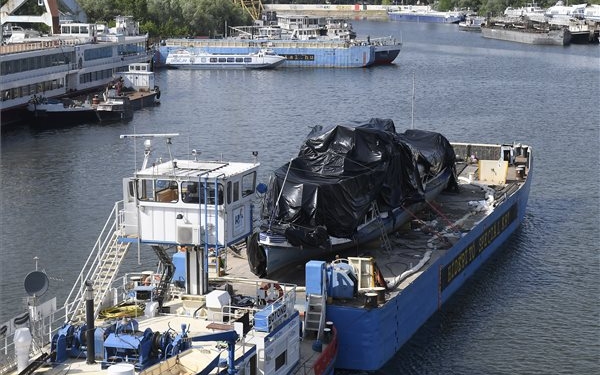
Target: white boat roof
[(194, 170)]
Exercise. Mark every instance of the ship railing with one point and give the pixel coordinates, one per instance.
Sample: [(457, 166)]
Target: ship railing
[(258, 43), (286, 296), (113, 224), (37, 45), (42, 329)]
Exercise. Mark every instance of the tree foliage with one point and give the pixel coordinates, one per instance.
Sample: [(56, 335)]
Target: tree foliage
[(166, 18), (163, 18)]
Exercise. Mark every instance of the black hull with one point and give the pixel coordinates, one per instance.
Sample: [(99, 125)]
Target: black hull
[(42, 118)]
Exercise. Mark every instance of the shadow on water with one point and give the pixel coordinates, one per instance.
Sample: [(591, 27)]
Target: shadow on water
[(36, 128)]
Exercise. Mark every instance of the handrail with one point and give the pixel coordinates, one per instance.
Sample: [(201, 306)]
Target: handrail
[(111, 225)]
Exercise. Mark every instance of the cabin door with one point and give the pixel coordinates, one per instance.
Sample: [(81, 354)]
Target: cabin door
[(130, 216), (71, 82)]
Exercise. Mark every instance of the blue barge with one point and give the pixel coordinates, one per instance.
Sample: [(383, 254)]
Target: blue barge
[(369, 337), (298, 53), (380, 294)]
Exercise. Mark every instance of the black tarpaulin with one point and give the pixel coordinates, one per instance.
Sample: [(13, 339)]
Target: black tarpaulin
[(339, 172)]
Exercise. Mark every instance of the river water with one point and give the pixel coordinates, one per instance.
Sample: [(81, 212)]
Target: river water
[(533, 309)]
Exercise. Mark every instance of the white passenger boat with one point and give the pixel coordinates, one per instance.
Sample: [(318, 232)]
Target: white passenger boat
[(423, 13), (76, 58), (184, 59)]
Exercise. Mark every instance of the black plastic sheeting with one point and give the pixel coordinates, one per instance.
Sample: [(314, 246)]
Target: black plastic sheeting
[(341, 170)]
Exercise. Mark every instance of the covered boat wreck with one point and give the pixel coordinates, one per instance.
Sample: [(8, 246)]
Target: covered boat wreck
[(349, 185)]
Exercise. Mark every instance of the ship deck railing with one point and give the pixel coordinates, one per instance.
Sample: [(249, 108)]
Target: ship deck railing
[(42, 330), (257, 43), (113, 224), (38, 45)]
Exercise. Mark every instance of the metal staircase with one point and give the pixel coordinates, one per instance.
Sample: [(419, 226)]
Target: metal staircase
[(316, 306), (167, 273), (385, 240), (101, 268)]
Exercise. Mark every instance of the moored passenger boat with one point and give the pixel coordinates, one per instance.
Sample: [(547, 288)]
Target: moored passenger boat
[(423, 13), (80, 58), (184, 59), (133, 90)]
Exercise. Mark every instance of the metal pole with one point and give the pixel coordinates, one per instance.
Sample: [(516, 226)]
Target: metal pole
[(412, 107), (89, 317)]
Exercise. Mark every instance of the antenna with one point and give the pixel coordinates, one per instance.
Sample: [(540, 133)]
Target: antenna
[(412, 105), (148, 143)]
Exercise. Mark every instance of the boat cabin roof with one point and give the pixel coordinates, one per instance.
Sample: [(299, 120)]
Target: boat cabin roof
[(193, 170)]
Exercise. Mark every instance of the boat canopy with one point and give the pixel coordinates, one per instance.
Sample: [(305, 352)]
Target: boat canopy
[(342, 170)]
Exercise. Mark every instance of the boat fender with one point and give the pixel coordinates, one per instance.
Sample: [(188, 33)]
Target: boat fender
[(21, 319), (273, 291), (157, 92)]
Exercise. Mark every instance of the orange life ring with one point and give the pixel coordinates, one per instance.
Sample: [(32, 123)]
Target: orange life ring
[(273, 291)]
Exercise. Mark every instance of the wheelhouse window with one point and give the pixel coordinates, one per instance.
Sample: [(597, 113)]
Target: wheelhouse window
[(210, 194), (248, 184), (158, 190), (233, 191), (189, 192)]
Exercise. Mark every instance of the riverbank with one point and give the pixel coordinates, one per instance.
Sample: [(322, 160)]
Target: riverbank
[(354, 11)]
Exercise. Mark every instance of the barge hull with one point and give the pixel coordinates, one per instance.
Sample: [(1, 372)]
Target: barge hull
[(298, 54), (554, 37), (396, 321)]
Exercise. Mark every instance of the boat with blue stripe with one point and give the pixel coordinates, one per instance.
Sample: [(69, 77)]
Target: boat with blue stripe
[(298, 53), (382, 291)]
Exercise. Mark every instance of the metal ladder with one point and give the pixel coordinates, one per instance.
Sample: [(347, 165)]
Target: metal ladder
[(101, 268), (168, 270), (314, 316), (385, 240)]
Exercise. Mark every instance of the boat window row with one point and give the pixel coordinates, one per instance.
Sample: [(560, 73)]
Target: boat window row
[(30, 90), (171, 191), (131, 49), (229, 59), (98, 53), (77, 29), (108, 52), (36, 62), (100, 76)]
